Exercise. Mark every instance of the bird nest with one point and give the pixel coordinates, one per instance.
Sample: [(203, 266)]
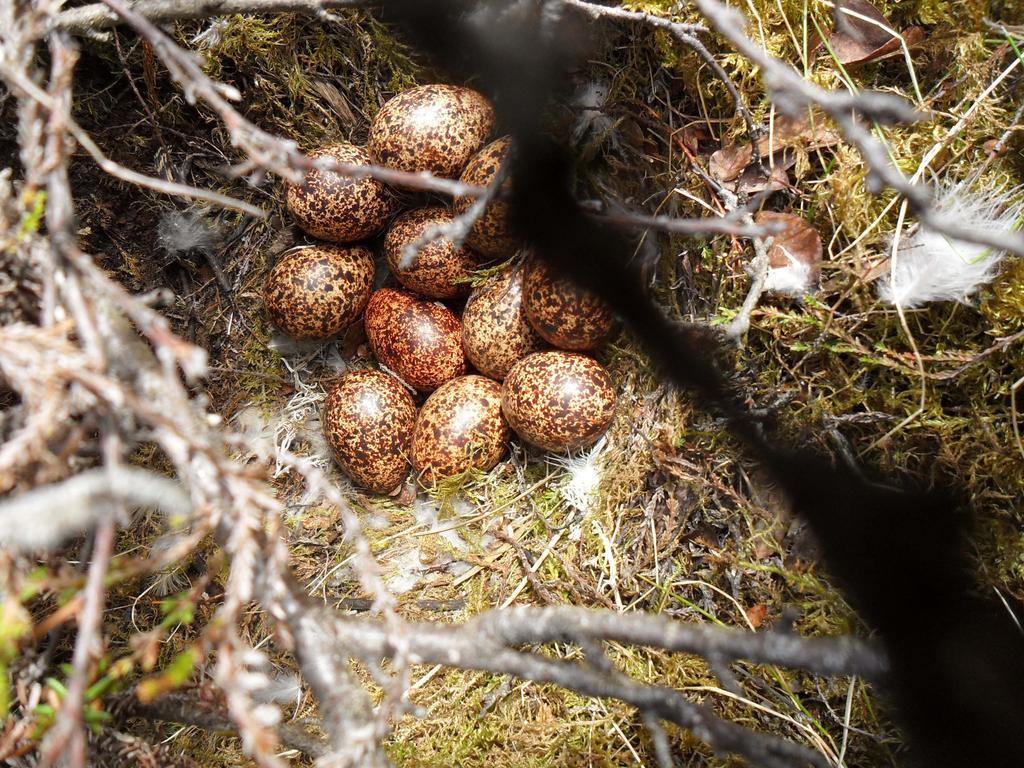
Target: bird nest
[(667, 514)]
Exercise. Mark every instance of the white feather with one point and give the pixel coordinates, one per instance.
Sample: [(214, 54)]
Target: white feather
[(583, 470), (179, 232), (929, 266), (794, 279)]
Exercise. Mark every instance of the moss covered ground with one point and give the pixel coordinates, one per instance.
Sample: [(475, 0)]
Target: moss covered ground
[(666, 514)]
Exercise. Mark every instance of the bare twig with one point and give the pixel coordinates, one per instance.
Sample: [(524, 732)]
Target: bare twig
[(431, 644), (758, 270), (65, 742), (193, 710), (81, 501), (97, 16)]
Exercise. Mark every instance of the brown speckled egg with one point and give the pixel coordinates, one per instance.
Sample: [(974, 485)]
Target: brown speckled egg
[(337, 208), (316, 291), (419, 340), (460, 427), (562, 313), (558, 400), (490, 235), (368, 421), (495, 332), (441, 269), (434, 128)]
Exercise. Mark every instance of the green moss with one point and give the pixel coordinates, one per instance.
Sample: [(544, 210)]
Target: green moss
[(1003, 302)]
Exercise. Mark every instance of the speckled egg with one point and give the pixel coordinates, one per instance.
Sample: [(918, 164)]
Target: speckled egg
[(460, 427), (562, 313), (490, 235), (441, 269), (318, 290), (434, 128), (558, 400), (337, 208), (419, 340), (368, 421), (495, 331)]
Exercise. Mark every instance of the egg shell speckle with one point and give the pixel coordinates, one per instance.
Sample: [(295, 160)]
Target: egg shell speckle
[(441, 269), (337, 208), (495, 331), (368, 421), (434, 128), (419, 340), (460, 426), (490, 235), (558, 400), (317, 291), (562, 313)]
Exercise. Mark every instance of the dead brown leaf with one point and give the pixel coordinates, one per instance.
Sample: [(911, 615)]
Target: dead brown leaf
[(734, 166), (696, 138), (756, 614), (865, 35), (797, 241)]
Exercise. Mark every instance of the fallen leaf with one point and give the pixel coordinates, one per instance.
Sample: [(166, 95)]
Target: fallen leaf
[(332, 96), (696, 138), (794, 256), (753, 180), (807, 131), (319, 522), (797, 240), (733, 166), (756, 614), (729, 162), (866, 35)]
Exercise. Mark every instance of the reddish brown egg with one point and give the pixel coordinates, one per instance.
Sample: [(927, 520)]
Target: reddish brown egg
[(495, 331), (318, 290), (440, 269), (562, 313), (419, 340), (558, 400), (368, 421), (490, 235), (460, 427), (434, 128), (337, 208)]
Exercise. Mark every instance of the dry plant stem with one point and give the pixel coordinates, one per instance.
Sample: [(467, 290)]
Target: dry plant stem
[(191, 710), (705, 227), (65, 742), (459, 227), (1000, 145), (31, 90), (826, 656), (97, 16), (432, 644), (758, 269), (344, 704), (264, 150)]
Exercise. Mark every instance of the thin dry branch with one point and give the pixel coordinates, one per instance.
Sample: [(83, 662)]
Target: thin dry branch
[(194, 710), (97, 16), (473, 646)]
